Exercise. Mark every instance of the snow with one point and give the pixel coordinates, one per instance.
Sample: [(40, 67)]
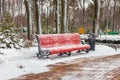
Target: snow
[(13, 59), (17, 62), (103, 37)]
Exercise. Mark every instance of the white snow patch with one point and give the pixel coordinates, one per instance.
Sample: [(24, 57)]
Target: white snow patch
[(13, 59), (103, 37)]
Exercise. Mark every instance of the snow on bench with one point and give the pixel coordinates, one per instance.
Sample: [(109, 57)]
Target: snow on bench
[(59, 43)]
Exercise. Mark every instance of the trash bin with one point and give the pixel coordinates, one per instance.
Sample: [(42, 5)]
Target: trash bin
[(91, 41)]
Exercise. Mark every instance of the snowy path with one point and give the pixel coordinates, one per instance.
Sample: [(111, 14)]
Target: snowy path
[(93, 68), (97, 69), (13, 59)]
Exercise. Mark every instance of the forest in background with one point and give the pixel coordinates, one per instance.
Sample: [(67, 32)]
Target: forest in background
[(25, 18)]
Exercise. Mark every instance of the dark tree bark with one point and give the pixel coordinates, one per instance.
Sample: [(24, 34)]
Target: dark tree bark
[(64, 27), (28, 23), (96, 17), (3, 6), (113, 28), (37, 16), (0, 7), (83, 13), (62, 16), (57, 17)]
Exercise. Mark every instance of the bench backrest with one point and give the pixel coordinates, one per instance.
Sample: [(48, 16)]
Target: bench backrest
[(50, 40)]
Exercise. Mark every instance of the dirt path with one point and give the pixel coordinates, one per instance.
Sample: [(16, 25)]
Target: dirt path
[(94, 68)]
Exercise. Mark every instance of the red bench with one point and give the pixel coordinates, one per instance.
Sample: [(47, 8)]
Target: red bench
[(59, 43)]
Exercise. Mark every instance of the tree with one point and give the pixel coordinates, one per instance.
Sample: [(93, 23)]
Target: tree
[(39, 10), (114, 10), (96, 25), (57, 16), (64, 16), (36, 16), (28, 12), (83, 13), (107, 12)]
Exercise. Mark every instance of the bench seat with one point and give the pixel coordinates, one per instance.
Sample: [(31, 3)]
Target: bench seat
[(67, 48)]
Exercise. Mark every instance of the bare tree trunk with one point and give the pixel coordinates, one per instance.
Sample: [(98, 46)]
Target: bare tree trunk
[(107, 11), (81, 4), (62, 16), (67, 23), (39, 10), (13, 9), (0, 8), (28, 18), (114, 15), (3, 6), (96, 17), (36, 16), (83, 13), (57, 16), (47, 19), (20, 10), (21, 5), (65, 16)]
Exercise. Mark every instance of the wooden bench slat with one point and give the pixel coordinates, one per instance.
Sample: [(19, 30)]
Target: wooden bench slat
[(51, 40), (66, 48)]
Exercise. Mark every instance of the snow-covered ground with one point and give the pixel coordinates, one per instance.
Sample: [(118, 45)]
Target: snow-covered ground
[(14, 63), (103, 37)]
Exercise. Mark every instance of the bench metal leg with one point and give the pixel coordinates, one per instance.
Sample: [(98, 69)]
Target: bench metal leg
[(78, 51), (60, 54), (87, 50), (43, 54), (69, 53), (83, 50)]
